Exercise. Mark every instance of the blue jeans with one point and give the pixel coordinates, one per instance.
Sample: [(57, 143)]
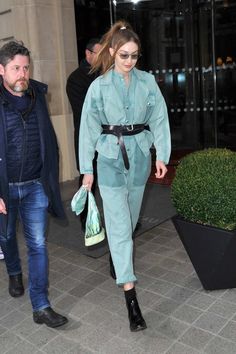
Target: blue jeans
[(28, 200)]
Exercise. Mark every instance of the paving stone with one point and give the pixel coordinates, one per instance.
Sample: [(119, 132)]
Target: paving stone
[(153, 319), (174, 277), (23, 347), (219, 345), (8, 340), (178, 348), (81, 307), (12, 319), (59, 345), (78, 349), (42, 336), (201, 300), (229, 295), (81, 289), (172, 328), (96, 340), (223, 308), (97, 296), (192, 282), (179, 294), (66, 284), (166, 306), (77, 329), (196, 338), (156, 271), (187, 313), (148, 298), (118, 346), (210, 322), (229, 331), (96, 316), (25, 328), (66, 302), (95, 279), (153, 342)]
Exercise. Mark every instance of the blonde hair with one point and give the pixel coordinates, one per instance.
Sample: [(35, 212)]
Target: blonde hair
[(118, 35)]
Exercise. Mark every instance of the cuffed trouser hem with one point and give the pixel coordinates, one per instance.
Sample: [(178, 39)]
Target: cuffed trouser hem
[(121, 282), (41, 307)]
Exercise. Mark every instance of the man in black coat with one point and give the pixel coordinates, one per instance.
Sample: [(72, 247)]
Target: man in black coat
[(29, 178), (77, 86)]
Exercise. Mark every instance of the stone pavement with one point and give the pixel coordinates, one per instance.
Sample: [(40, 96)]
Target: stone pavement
[(182, 318)]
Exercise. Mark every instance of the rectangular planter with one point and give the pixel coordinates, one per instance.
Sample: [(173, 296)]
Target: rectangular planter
[(212, 252)]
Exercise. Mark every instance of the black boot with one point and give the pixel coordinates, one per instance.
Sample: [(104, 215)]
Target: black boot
[(137, 322), (16, 287), (112, 269)]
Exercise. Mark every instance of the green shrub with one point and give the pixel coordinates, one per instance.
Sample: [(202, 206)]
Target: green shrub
[(204, 188)]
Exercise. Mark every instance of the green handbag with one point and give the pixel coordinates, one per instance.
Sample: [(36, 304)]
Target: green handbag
[(94, 232)]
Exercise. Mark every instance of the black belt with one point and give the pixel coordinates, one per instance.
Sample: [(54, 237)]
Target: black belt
[(119, 131)]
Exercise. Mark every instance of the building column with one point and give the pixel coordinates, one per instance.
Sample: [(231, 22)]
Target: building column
[(47, 28)]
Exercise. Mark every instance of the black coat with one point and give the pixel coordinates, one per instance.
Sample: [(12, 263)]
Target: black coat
[(76, 88), (49, 151)]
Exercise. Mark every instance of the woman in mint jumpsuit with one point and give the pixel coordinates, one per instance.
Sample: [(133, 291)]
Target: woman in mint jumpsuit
[(124, 113)]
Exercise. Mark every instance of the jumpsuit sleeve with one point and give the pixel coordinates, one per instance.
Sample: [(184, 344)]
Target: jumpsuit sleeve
[(159, 125), (90, 129)]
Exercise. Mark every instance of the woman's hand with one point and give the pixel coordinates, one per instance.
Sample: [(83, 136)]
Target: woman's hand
[(88, 181), (161, 169), (2, 207)]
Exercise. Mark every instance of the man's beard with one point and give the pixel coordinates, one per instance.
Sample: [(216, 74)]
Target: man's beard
[(20, 85)]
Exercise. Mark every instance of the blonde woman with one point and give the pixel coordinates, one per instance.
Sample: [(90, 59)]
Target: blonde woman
[(123, 115)]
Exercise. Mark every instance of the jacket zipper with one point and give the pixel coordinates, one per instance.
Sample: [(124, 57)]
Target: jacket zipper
[(23, 148)]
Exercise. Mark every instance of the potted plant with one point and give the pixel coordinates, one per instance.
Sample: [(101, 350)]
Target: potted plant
[(204, 195)]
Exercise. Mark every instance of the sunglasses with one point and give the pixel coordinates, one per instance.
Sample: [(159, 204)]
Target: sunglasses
[(124, 56)]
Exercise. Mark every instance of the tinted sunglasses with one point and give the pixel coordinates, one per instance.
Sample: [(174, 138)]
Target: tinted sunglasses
[(127, 55)]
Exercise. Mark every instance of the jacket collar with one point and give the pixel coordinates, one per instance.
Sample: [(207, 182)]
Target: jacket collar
[(38, 86), (34, 86), (107, 78)]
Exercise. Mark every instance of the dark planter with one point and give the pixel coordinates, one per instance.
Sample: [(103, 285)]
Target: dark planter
[(212, 252)]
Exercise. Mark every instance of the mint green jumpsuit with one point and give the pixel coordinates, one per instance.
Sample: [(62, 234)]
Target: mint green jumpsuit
[(110, 101)]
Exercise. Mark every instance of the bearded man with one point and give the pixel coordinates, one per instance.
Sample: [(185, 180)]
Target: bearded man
[(29, 183)]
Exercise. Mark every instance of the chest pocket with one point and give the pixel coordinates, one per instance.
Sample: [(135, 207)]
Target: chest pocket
[(100, 109), (151, 100), (99, 105)]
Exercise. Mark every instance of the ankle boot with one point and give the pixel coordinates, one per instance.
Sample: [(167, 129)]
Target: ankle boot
[(112, 269), (137, 322), (49, 317), (16, 287)]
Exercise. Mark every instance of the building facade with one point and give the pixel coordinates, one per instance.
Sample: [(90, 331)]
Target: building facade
[(188, 45)]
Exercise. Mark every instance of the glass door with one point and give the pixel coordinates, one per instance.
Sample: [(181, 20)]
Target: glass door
[(182, 42), (225, 72)]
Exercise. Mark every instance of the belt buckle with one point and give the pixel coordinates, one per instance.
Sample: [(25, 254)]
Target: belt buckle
[(132, 128)]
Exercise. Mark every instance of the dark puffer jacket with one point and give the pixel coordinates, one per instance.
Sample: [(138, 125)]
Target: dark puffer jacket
[(24, 160), (49, 154)]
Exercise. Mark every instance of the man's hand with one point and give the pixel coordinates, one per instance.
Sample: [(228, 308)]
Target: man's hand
[(161, 169), (2, 207), (88, 181)]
